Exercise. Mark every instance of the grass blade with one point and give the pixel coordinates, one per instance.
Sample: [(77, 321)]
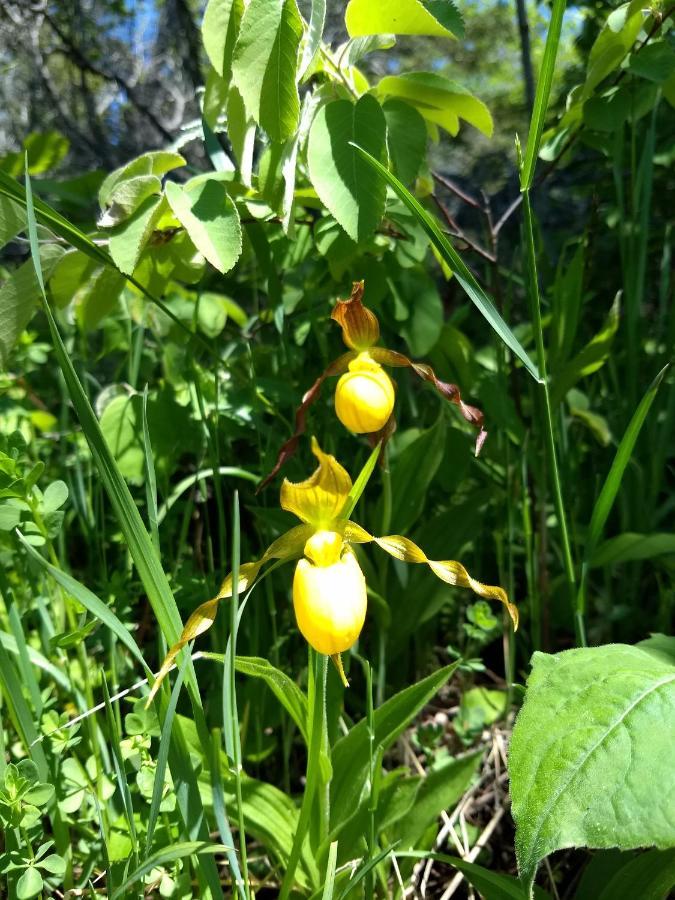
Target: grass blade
[(475, 292), (543, 93), (164, 857), (329, 884)]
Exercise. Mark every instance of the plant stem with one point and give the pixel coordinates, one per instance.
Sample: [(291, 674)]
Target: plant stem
[(317, 668), (535, 300), (372, 804)]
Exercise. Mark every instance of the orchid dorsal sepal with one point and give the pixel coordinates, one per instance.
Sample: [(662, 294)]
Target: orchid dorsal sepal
[(360, 328)]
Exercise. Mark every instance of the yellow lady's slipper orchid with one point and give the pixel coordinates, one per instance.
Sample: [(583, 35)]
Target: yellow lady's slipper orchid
[(329, 589), (365, 394)]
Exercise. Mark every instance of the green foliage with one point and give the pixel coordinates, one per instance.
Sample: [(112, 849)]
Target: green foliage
[(590, 753)]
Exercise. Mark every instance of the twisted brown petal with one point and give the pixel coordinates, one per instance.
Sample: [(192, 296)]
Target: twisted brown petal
[(450, 391), (337, 367)]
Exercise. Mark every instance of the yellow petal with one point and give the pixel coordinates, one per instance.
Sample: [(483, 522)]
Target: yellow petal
[(330, 603), (289, 546), (364, 396), (448, 570), (320, 498)]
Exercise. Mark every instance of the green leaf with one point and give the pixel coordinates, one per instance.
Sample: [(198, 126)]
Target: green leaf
[(438, 99), (211, 220), (156, 162), (492, 885), (69, 274), (166, 856), (99, 297), (129, 238), (29, 885), (126, 197), (284, 689), (54, 864), (265, 65), (542, 95), (12, 219), (411, 474), (614, 478), (590, 753), (342, 180), (589, 360), (629, 547), (18, 298), (55, 496), (351, 754), (612, 44), (439, 18), (481, 300), (406, 138), (649, 876), (313, 37), (219, 33), (655, 61)]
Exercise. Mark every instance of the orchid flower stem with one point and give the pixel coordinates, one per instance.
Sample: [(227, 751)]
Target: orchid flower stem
[(230, 676), (372, 802), (549, 437), (316, 695)]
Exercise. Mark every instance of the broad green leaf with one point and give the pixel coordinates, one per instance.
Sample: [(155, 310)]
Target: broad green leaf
[(655, 61), (157, 163), (55, 496), (69, 274), (589, 360), (128, 239), (265, 63), (438, 99), (454, 261), (440, 790), (342, 180), (612, 44), (629, 546), (219, 33), (127, 196), (45, 150), (439, 18), (99, 297), (406, 138), (12, 220), (19, 296), (211, 220), (351, 757), (313, 37), (542, 95), (649, 876), (590, 753), (29, 885)]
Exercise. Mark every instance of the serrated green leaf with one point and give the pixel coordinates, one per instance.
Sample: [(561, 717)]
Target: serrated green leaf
[(219, 33), (591, 752), (439, 18), (12, 220), (265, 64), (128, 239), (406, 138), (211, 220), (341, 179), (127, 196), (156, 162)]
